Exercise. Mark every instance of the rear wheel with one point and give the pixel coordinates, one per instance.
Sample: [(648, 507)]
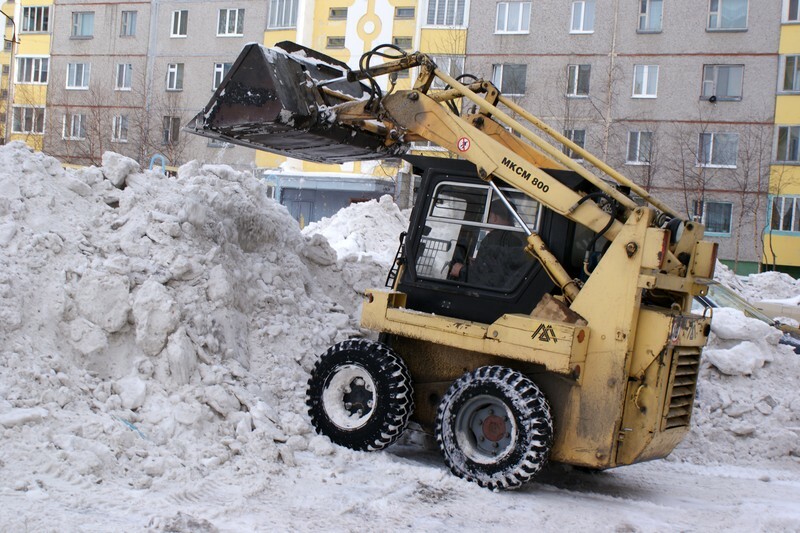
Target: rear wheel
[(494, 427), (360, 395)]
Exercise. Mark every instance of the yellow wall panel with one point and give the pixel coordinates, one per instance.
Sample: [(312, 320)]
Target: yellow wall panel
[(787, 109), (784, 179), (785, 247), (790, 39)]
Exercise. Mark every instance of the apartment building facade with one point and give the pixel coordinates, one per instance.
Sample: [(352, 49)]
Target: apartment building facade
[(679, 95)]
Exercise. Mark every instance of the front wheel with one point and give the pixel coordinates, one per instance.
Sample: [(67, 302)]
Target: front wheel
[(494, 427), (360, 395)]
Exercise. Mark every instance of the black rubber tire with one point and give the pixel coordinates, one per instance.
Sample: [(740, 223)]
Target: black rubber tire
[(335, 395), (497, 450)]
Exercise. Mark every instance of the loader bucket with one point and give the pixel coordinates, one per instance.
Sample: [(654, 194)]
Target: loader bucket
[(269, 101)]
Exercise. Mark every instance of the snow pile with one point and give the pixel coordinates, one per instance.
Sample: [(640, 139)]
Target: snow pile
[(757, 287)]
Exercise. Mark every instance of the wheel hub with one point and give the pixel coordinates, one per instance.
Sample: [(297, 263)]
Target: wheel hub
[(494, 428), (349, 397), (486, 429)]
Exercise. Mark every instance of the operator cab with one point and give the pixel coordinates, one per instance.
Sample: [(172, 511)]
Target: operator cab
[(464, 252)]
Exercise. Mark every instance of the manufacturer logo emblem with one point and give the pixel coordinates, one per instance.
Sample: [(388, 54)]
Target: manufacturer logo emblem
[(545, 333)]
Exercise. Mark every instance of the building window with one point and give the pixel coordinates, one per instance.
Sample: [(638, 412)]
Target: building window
[(727, 15), (74, 127), (446, 12), (172, 127), (582, 17), (578, 80), (404, 12), (715, 216), (640, 147), (179, 23), (791, 11), (124, 77), (119, 125), (513, 17), (452, 65), (510, 78), (128, 24), (645, 81), (282, 14), (78, 75), (337, 13), (788, 144), (651, 14), (27, 119), (82, 25), (334, 42), (175, 77), (220, 70), (579, 138), (230, 23), (32, 69), (35, 19), (790, 74), (785, 213), (718, 150), (7, 45), (405, 43), (722, 82)]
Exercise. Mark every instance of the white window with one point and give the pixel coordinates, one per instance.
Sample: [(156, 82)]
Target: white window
[(785, 213), (579, 138), (128, 24), (25, 119), (119, 125), (230, 23), (82, 24), (645, 81), (180, 20), (578, 80), (722, 82), (452, 65), (220, 70), (124, 77), (282, 14), (510, 78), (513, 17), (446, 12), (32, 69), (718, 150), (651, 13), (78, 75), (175, 77), (640, 147), (727, 15), (791, 11), (715, 216), (790, 74), (582, 17), (74, 127), (788, 144), (35, 19), (172, 128)]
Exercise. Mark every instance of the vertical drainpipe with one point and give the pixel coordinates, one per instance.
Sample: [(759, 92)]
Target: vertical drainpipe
[(151, 51), (609, 88)]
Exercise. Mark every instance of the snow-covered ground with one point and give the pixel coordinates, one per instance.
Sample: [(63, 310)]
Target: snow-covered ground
[(155, 340)]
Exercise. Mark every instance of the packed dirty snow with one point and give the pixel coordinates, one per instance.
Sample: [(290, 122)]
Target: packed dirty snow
[(156, 336)]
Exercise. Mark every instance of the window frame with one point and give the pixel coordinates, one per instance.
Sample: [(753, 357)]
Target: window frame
[(713, 151), (40, 19), (175, 74), (794, 222), (501, 67), (24, 119), (639, 161), (127, 75), (571, 134), (645, 21), (789, 128), (80, 126), (398, 42), (167, 131), (238, 30), (128, 28), (583, 28), (220, 71), (72, 76), (179, 20), (398, 15), (523, 21), (645, 81), (335, 42), (445, 63), (34, 69), (715, 81), (119, 123), (574, 80), (717, 27), (702, 216), (76, 32), (337, 16), (282, 14), (783, 71), (443, 8), (786, 12)]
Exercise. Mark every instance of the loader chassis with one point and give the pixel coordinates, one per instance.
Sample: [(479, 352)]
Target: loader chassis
[(583, 351)]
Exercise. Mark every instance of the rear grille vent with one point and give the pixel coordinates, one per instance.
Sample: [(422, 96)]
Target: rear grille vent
[(684, 384)]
